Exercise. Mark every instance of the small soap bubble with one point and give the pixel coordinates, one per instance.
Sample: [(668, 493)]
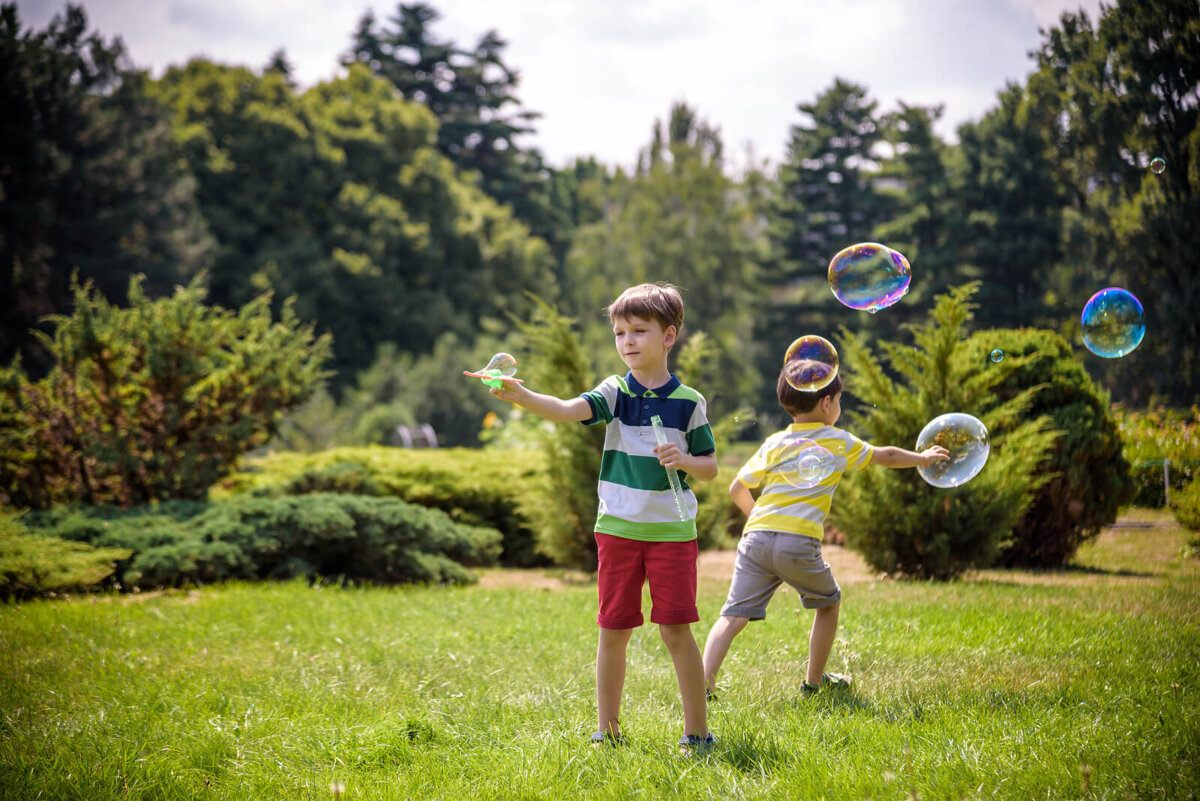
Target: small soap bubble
[(997, 356), (801, 461), (1158, 166), (1113, 323), (502, 365), (811, 362), (966, 438), (869, 277)]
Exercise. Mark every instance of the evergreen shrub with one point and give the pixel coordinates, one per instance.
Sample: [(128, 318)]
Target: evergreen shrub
[(355, 538), (897, 521), (32, 565), (474, 487), (1090, 478), (1185, 505), (1156, 434), (151, 402)]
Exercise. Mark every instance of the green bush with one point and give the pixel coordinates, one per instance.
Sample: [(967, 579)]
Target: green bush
[(1090, 476), (475, 487), (897, 521), (1157, 434), (31, 565), (356, 538), (1185, 505), (153, 402)]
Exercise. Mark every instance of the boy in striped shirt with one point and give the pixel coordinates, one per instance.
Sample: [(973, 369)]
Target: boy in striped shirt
[(640, 535), (784, 527)]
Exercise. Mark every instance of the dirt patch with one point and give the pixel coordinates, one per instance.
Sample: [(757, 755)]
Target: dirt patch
[(508, 578)]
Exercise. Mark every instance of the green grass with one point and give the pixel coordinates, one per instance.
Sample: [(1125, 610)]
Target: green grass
[(1081, 683)]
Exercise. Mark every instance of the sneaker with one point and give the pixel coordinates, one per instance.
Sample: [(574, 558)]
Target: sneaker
[(607, 738), (690, 743), (834, 681), (710, 695)]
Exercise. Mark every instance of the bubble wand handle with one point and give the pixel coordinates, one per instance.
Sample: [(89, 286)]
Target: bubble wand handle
[(672, 474)]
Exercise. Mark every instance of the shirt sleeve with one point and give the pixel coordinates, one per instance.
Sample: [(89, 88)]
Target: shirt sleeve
[(858, 453), (755, 469), (602, 399), (700, 441)]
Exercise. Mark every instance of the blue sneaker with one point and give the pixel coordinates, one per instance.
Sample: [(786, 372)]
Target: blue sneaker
[(690, 743), (834, 681)]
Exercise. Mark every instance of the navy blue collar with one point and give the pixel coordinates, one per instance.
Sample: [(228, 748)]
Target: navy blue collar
[(663, 391)]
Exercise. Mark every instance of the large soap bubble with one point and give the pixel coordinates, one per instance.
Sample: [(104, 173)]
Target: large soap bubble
[(802, 462), (869, 277), (966, 438), (811, 362), (1113, 323)]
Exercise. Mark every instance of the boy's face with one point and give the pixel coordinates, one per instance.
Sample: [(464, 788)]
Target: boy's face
[(642, 344)]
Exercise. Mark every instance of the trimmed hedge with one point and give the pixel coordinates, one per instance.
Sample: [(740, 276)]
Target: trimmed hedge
[(474, 487), (353, 538)]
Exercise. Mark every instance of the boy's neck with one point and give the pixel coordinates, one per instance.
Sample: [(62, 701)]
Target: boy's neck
[(809, 417), (653, 379)]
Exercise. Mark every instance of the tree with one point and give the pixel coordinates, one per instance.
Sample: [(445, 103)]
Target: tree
[(152, 402), (897, 521), (1119, 94), (337, 197), (89, 178), (680, 219)]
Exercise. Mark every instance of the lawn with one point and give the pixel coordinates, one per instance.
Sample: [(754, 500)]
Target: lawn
[(1079, 683)]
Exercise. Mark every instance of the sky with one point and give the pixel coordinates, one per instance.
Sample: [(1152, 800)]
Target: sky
[(601, 72)]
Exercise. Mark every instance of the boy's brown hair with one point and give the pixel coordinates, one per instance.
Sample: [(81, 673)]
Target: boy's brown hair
[(661, 302), (796, 401)]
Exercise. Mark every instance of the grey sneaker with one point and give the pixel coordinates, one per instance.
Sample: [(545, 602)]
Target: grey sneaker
[(835, 681), (691, 743), (607, 738)]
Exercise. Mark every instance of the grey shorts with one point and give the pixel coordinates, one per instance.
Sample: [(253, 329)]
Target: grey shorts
[(766, 559)]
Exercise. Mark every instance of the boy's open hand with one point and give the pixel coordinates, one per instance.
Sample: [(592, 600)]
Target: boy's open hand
[(934, 454)]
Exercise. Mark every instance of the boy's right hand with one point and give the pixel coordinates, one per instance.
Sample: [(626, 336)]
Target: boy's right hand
[(934, 454), (510, 391)]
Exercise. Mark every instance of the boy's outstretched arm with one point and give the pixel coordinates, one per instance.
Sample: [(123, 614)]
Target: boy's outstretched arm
[(556, 410), (899, 457), (741, 496)]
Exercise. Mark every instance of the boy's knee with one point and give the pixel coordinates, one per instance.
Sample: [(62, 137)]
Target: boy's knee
[(736, 622), (675, 632)]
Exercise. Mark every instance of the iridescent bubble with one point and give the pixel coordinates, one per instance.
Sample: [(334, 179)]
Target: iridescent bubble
[(966, 438), (801, 461), (1113, 323), (997, 356), (869, 277), (1158, 166), (502, 365), (811, 362)]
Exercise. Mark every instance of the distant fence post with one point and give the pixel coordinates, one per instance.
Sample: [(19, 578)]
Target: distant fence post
[(1167, 482)]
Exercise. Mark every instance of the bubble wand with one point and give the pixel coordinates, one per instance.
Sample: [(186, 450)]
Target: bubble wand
[(672, 473), (501, 368)]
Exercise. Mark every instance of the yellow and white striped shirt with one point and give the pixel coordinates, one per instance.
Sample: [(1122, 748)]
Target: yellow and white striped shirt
[(782, 506)]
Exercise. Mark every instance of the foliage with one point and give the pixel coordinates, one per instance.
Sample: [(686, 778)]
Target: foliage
[(1154, 435), (1091, 479), (1117, 94), (152, 402), (678, 219), (1185, 505), (338, 197), (32, 565), (355, 538), (475, 487), (89, 178), (564, 503), (897, 521)]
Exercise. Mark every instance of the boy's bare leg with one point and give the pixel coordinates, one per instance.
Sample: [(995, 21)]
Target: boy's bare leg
[(610, 677), (820, 642), (689, 670), (717, 645)]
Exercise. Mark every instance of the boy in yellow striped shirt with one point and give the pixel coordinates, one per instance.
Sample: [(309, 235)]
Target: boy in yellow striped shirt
[(782, 537)]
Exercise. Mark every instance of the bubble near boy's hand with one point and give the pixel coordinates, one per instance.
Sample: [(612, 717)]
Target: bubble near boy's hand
[(501, 368)]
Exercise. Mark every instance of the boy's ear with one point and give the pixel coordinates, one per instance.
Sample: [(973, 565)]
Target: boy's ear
[(669, 335)]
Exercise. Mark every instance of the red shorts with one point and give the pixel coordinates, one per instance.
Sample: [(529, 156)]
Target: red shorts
[(624, 567)]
